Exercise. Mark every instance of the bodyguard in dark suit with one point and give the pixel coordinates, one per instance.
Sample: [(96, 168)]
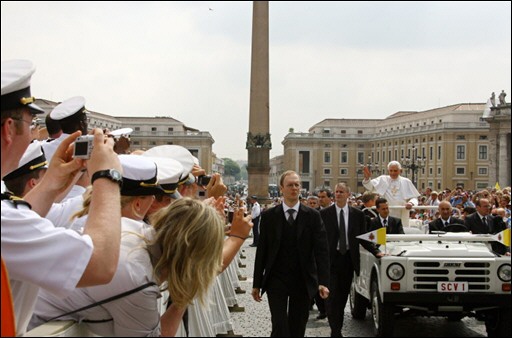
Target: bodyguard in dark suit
[(392, 224), (481, 222), (292, 260), (446, 221), (343, 224)]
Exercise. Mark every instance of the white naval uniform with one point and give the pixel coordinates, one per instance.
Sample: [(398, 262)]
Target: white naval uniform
[(39, 255), (397, 192), (133, 315)]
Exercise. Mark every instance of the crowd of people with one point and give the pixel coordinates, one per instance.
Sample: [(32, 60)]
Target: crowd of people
[(96, 234)]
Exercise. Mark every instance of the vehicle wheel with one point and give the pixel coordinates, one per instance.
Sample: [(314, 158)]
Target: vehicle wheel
[(497, 323), (383, 314), (358, 304)]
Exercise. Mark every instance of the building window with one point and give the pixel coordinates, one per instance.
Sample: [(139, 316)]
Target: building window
[(383, 156), (344, 157), (170, 129), (482, 152), (431, 153), (152, 143), (359, 131), (482, 137), (360, 157), (169, 142), (327, 157), (481, 185), (438, 152), (194, 152), (327, 145), (327, 183), (439, 170), (327, 171), (482, 171), (137, 129), (460, 137), (153, 129), (304, 162), (343, 171), (343, 131), (326, 131), (460, 171), (136, 143), (461, 152), (431, 171)]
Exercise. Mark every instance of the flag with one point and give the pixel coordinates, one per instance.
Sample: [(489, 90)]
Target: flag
[(376, 236), (503, 237), (497, 186)]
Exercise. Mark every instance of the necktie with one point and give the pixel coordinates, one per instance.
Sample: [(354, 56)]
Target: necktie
[(385, 222), (343, 237), (290, 216), (484, 220), (446, 223)]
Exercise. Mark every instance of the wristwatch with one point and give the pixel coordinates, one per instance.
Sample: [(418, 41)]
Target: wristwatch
[(111, 174)]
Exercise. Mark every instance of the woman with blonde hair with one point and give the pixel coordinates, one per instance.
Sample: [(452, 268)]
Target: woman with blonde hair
[(181, 253)]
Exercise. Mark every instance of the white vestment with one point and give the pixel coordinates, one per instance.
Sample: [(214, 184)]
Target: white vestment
[(398, 192)]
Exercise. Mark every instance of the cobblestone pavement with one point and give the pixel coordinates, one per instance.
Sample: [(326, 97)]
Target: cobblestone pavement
[(255, 321)]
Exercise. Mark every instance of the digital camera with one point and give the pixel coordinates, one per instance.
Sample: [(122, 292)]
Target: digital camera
[(83, 147), (204, 180)]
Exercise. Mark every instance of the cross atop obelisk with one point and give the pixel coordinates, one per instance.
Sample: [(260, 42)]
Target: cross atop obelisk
[(258, 138)]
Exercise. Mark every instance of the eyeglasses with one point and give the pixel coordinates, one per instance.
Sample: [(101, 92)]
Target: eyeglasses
[(32, 123)]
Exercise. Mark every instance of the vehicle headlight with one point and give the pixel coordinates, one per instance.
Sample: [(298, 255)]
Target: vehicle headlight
[(396, 271), (504, 272)]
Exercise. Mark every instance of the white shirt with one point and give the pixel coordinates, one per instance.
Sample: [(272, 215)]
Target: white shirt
[(256, 210), (295, 207), (134, 315), (39, 255)]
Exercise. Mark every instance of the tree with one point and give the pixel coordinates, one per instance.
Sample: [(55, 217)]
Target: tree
[(231, 168)]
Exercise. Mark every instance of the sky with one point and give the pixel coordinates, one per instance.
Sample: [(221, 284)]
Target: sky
[(191, 60)]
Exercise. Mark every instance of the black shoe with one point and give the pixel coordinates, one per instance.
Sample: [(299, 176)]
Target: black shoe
[(321, 316)]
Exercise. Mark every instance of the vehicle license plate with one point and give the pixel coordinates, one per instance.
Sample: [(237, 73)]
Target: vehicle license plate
[(452, 287)]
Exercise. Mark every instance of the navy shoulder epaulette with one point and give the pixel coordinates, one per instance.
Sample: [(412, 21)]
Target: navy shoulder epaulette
[(15, 200)]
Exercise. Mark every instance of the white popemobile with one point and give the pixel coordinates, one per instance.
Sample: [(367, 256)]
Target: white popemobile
[(445, 274)]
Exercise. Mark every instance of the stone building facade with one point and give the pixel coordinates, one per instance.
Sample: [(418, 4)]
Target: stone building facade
[(454, 141)]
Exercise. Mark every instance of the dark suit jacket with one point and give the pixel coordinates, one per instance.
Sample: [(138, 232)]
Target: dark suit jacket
[(356, 226), (495, 225), (311, 243), (394, 227), (438, 224)]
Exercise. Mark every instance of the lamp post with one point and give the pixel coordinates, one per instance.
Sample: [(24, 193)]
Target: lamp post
[(414, 164)]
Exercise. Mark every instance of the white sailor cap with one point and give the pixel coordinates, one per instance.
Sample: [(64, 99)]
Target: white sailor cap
[(16, 75), (68, 108), (169, 173), (177, 153), (33, 159), (121, 132), (139, 176)]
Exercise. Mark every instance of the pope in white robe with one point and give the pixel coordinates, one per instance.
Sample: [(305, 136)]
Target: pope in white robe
[(398, 190)]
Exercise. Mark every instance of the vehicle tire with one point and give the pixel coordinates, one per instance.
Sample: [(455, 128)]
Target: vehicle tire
[(497, 323), (358, 304), (382, 314)]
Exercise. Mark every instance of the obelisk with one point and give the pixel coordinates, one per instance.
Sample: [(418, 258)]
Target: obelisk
[(258, 138)]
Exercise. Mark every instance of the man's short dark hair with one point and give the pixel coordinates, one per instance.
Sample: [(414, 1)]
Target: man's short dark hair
[(380, 201), (368, 196), (326, 190)]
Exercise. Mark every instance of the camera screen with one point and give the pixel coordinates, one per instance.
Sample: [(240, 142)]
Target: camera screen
[(81, 148)]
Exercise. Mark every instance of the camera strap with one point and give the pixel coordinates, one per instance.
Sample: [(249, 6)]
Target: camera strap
[(104, 301)]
